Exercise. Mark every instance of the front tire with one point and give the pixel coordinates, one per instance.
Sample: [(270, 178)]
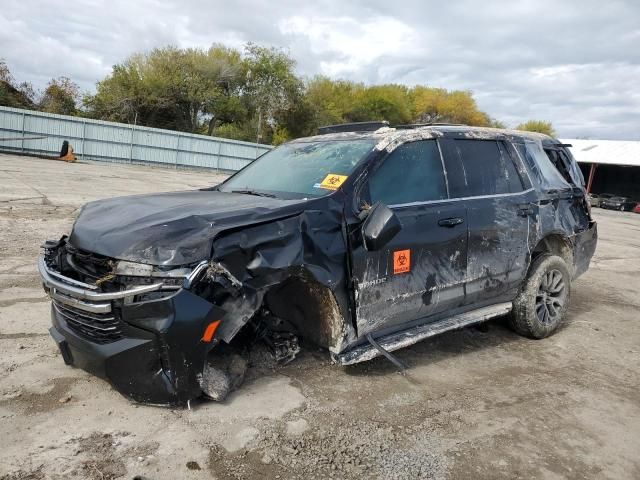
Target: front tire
[(541, 306), (223, 372)]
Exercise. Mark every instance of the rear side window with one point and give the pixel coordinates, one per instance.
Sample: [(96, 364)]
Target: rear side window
[(566, 165), (411, 173), (486, 168), (539, 164), (559, 161)]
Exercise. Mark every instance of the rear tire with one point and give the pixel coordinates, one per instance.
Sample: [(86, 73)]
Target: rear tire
[(540, 307)]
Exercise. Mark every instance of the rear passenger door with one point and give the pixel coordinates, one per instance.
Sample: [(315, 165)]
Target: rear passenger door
[(421, 271), (483, 176)]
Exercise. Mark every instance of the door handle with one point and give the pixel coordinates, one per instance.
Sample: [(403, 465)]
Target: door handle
[(450, 222), (527, 209)]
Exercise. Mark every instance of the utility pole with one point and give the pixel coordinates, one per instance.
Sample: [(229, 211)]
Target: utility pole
[(258, 135)]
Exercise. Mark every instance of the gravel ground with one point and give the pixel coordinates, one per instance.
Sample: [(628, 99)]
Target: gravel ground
[(474, 403)]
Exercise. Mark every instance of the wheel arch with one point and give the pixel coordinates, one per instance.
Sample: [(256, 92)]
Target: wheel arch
[(313, 309), (555, 243)]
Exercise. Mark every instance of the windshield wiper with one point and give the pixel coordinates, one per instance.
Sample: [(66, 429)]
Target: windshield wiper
[(254, 192)]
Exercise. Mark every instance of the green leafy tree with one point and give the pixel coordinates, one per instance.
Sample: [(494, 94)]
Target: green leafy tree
[(12, 94), (327, 102), (272, 87), (438, 105), (337, 101), (219, 91), (229, 70), (252, 94), (61, 96), (539, 126), (381, 102), (181, 89)]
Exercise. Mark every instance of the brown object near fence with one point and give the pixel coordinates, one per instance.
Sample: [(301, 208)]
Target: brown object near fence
[(66, 153)]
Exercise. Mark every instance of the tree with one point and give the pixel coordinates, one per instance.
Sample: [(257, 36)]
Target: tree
[(229, 70), (438, 105), (61, 96), (381, 102), (217, 91), (272, 87), (539, 126), (255, 95), (12, 94), (181, 89), (328, 101)]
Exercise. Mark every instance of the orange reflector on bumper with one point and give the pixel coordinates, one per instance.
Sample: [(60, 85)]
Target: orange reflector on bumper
[(210, 331)]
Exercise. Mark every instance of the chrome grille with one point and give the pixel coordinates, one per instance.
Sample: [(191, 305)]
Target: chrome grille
[(98, 327)]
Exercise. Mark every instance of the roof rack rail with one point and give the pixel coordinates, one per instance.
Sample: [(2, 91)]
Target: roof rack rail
[(353, 127), (434, 124)]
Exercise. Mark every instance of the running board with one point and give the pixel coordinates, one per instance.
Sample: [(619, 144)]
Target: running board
[(396, 341)]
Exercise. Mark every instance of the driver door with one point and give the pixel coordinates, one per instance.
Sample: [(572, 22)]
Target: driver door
[(421, 271)]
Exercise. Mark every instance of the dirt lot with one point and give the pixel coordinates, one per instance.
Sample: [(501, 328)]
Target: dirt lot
[(474, 404)]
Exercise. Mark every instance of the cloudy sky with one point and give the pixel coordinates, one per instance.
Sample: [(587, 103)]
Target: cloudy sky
[(576, 63)]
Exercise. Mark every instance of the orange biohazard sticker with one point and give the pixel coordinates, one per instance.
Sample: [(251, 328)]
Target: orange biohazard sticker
[(401, 261), (333, 181)]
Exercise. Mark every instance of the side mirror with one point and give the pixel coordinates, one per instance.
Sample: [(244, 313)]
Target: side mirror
[(380, 226)]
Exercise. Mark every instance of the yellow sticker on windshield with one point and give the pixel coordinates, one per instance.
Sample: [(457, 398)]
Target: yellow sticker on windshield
[(333, 181)]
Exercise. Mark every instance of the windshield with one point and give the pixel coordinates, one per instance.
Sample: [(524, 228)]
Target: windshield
[(301, 169)]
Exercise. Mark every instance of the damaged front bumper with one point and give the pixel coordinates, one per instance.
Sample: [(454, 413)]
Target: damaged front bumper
[(151, 351)]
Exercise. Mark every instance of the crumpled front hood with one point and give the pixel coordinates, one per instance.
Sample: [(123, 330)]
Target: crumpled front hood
[(170, 228)]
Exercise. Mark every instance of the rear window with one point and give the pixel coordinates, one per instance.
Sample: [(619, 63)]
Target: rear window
[(487, 169)]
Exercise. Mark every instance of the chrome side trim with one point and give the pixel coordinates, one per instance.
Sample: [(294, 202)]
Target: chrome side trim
[(85, 294), (460, 199), (415, 334), (79, 304)]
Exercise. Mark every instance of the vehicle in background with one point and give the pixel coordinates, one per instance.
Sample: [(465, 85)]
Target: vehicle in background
[(636, 209), (595, 199), (624, 204)]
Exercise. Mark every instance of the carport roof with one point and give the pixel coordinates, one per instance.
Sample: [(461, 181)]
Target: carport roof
[(608, 152)]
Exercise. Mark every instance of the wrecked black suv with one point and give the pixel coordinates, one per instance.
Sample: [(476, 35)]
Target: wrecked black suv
[(362, 240)]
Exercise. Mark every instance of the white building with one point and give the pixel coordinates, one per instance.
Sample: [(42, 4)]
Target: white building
[(609, 166)]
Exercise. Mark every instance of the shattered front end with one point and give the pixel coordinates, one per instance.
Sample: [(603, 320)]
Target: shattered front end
[(138, 327)]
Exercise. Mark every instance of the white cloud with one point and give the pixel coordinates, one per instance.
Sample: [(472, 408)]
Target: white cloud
[(575, 63), (352, 43)]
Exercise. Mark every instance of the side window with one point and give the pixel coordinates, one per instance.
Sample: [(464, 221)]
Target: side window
[(559, 161), (487, 169), (512, 176), (540, 165), (411, 173)]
